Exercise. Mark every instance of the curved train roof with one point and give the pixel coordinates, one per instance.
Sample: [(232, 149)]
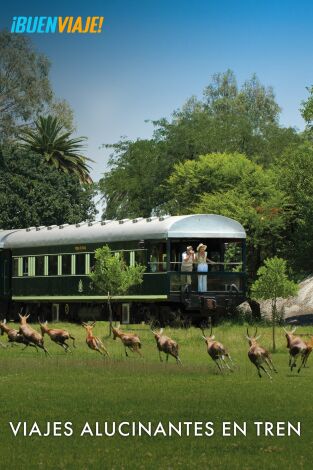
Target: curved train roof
[(153, 228)]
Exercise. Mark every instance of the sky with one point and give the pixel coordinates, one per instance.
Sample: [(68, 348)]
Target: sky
[(151, 56)]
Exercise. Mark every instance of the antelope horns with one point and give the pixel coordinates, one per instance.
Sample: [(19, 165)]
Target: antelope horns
[(157, 332), (291, 331)]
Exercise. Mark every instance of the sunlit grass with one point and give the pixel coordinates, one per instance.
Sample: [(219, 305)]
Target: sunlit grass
[(83, 386)]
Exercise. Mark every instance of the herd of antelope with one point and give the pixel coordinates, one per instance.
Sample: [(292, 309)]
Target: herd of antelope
[(258, 355)]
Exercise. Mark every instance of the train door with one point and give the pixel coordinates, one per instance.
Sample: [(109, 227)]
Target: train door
[(5, 276)]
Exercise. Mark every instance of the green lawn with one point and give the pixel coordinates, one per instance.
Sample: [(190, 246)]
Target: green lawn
[(82, 386)]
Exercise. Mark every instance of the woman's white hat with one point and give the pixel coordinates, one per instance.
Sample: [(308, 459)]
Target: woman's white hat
[(201, 246)]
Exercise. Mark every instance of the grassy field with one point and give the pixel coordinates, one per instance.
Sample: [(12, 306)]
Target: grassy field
[(82, 386)]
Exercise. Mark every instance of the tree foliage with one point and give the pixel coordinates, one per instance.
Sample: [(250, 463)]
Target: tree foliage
[(58, 149), (294, 171), (33, 194), (112, 275), (25, 89), (130, 187), (307, 108), (273, 283), (227, 119), (24, 81), (233, 186)]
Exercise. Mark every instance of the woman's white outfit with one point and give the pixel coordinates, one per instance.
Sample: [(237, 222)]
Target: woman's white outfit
[(202, 268)]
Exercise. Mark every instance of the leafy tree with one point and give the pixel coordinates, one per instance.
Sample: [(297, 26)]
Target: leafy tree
[(33, 194), (294, 173), (112, 276), (49, 140), (232, 185), (227, 119), (211, 173), (61, 110), (273, 283), (25, 89), (307, 108), (264, 219), (130, 188)]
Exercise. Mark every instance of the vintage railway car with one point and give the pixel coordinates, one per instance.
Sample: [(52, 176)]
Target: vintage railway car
[(45, 269)]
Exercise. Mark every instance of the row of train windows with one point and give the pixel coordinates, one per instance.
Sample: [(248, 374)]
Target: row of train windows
[(52, 265), (67, 264)]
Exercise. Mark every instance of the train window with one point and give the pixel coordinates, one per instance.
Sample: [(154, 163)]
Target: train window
[(39, 265), (154, 260), (66, 264), (59, 265), (31, 266), (80, 264), (157, 258), (125, 313), (176, 257), (53, 265), (132, 258), (92, 262), (125, 256), (87, 263), (232, 256), (46, 264), (15, 269), (25, 266), (140, 257), (164, 263)]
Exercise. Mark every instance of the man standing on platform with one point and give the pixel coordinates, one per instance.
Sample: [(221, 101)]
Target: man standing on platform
[(188, 258)]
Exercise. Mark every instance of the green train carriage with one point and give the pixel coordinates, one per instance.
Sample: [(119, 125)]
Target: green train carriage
[(45, 269)]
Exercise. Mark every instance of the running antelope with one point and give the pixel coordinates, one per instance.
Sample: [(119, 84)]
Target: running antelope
[(259, 355), (13, 335), (93, 342), (57, 335), (129, 340), (297, 347), (31, 335), (166, 345), (217, 351), (309, 349)]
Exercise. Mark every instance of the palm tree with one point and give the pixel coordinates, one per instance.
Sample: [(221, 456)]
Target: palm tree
[(58, 149)]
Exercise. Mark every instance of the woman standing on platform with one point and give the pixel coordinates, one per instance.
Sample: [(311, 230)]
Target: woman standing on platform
[(202, 262)]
